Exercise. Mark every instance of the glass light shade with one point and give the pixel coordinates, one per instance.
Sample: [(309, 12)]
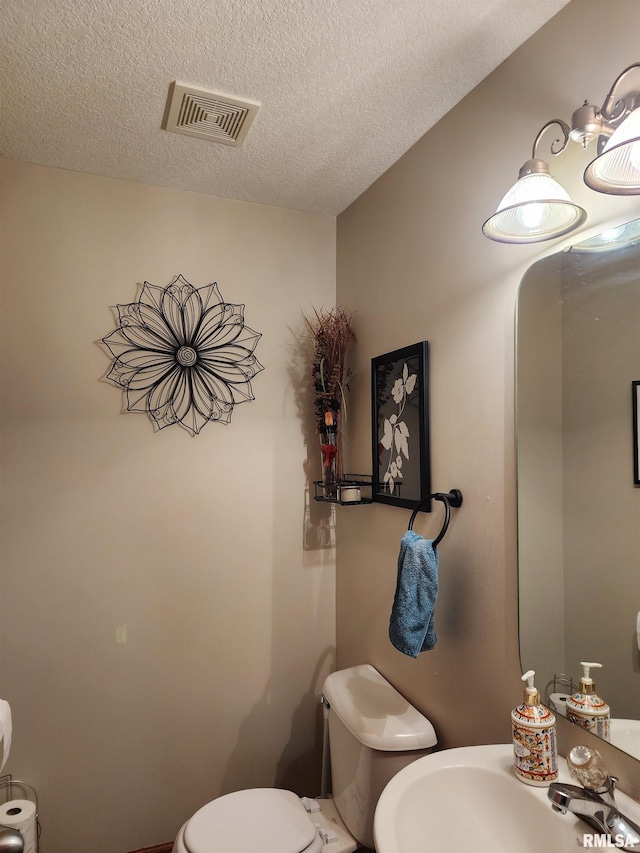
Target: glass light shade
[(613, 238), (536, 208), (617, 169)]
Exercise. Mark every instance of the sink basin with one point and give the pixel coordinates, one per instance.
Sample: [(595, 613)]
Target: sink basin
[(468, 800)]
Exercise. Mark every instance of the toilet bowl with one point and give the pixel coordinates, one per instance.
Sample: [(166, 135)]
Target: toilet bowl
[(373, 733)]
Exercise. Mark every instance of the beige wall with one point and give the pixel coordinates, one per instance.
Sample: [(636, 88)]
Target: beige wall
[(413, 264), (201, 550)]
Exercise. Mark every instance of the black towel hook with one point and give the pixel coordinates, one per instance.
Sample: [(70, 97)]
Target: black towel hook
[(449, 499)]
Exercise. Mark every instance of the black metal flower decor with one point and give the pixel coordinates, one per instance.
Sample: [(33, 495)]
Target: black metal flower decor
[(183, 355)]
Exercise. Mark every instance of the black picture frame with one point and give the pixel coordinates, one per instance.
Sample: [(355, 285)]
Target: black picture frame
[(635, 404), (400, 427)]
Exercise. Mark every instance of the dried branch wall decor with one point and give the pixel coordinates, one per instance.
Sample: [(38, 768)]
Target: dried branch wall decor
[(183, 355), (332, 333)]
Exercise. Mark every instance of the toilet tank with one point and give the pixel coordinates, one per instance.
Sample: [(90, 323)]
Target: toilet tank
[(373, 733)]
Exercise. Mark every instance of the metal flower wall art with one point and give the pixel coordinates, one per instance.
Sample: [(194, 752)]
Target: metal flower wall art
[(183, 355)]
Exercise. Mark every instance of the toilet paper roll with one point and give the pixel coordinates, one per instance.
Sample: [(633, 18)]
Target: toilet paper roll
[(559, 702), (5, 731), (21, 815)]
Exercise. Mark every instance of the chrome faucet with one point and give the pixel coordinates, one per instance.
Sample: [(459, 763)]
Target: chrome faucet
[(595, 802)]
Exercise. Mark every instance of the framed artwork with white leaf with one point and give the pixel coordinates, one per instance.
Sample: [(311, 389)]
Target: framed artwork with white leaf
[(400, 427)]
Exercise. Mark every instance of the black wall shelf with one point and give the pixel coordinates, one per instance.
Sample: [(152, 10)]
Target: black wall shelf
[(353, 490)]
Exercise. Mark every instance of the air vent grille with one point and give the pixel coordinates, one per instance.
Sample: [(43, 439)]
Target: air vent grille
[(209, 115)]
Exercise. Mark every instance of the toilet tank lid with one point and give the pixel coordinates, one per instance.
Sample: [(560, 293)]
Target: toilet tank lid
[(375, 713)]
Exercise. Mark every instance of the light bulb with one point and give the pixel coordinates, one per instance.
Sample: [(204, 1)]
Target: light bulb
[(531, 215)]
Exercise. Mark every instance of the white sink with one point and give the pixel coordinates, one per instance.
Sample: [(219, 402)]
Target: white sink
[(468, 800)]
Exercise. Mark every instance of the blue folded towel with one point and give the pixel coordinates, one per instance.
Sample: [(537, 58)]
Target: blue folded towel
[(411, 627)]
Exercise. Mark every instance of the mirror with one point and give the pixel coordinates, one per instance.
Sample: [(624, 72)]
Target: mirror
[(578, 353)]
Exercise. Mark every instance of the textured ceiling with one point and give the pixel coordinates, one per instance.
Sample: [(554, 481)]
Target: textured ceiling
[(345, 86)]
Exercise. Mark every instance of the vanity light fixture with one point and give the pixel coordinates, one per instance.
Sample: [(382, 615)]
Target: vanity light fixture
[(537, 208)]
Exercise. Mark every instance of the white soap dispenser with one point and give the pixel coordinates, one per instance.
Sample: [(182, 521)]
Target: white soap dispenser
[(585, 708), (535, 753)]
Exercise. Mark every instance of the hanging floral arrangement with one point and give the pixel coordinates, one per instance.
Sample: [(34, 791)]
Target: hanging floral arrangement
[(332, 333)]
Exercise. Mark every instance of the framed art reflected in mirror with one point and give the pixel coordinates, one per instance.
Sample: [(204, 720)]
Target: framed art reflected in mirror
[(635, 402)]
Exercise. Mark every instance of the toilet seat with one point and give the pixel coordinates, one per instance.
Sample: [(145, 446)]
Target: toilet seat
[(258, 820)]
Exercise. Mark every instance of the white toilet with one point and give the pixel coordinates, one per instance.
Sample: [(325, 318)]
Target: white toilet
[(373, 733)]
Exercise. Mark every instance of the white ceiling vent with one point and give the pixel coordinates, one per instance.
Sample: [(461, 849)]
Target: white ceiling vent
[(209, 115)]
